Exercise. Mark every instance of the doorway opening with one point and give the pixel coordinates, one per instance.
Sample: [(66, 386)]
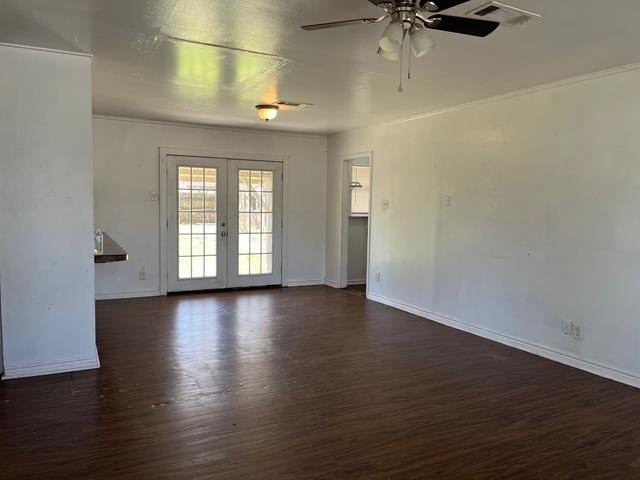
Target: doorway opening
[(224, 223), (356, 199)]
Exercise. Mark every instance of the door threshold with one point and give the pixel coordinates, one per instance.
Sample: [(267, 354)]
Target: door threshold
[(225, 290)]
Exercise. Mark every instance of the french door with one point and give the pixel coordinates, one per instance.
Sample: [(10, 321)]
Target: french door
[(224, 223)]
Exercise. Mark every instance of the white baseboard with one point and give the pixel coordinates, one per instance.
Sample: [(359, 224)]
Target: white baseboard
[(64, 366), (357, 282), (331, 283), (605, 371), (304, 283), (121, 296)]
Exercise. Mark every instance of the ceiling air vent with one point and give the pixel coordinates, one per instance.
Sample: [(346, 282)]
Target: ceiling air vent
[(505, 14), (293, 105)]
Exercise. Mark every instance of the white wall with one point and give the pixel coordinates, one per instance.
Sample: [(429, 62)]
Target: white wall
[(126, 156), (46, 200), (357, 250), (1, 352), (543, 224)]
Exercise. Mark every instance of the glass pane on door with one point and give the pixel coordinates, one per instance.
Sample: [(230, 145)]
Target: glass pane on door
[(197, 222), (255, 222)]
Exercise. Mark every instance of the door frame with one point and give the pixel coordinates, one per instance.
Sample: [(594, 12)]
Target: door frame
[(345, 203), (224, 155)]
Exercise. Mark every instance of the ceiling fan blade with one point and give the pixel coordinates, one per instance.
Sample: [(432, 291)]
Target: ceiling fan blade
[(463, 25), (439, 5), (344, 23)]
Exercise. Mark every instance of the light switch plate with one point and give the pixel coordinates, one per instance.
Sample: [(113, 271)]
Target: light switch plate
[(578, 332)]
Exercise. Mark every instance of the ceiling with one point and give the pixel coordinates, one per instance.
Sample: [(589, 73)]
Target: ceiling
[(263, 56)]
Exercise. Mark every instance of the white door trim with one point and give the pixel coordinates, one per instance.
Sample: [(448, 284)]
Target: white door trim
[(345, 200), (228, 155)]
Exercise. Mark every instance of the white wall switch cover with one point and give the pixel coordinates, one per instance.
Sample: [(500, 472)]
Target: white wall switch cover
[(578, 331)]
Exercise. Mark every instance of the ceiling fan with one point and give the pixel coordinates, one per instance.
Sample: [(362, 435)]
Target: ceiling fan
[(411, 17)]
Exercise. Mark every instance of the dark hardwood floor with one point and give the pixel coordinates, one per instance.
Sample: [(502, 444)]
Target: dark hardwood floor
[(311, 383), (357, 290)]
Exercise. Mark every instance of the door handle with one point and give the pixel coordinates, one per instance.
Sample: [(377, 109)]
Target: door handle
[(223, 234)]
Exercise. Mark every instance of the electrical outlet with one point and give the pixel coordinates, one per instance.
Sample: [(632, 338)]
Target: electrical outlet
[(578, 331), (566, 327), (142, 275), (378, 277)]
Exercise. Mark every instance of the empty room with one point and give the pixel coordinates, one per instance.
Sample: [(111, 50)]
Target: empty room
[(296, 239)]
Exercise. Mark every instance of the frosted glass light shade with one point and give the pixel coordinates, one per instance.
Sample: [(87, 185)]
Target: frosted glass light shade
[(421, 42), (391, 40), (389, 55), (267, 112)]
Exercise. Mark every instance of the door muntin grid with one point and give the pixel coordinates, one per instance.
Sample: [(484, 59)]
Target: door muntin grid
[(255, 222), (197, 222)]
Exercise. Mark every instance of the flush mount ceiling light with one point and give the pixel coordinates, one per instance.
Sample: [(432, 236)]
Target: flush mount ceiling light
[(410, 18), (267, 112)]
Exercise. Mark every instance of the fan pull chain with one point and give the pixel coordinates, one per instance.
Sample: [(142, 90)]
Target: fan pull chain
[(409, 74), (404, 35)]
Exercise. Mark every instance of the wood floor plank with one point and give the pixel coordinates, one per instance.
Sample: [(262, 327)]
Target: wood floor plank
[(311, 383)]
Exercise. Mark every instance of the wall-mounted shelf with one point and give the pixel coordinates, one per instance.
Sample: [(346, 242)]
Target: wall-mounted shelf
[(112, 252)]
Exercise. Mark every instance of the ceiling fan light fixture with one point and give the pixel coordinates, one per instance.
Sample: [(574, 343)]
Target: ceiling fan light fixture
[(421, 42), (394, 56), (267, 112), (392, 37), (407, 18)]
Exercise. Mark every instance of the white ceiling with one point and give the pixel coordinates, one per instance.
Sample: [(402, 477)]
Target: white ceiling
[(140, 73)]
